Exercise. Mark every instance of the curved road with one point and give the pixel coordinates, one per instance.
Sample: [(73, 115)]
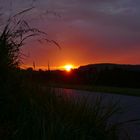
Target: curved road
[(129, 104)]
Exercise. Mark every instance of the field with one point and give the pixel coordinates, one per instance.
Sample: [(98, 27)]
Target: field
[(104, 89)]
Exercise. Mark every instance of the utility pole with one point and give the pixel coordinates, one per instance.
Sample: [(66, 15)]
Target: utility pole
[(48, 66), (34, 65)]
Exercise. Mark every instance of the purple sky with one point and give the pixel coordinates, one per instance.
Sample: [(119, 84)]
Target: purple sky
[(89, 31)]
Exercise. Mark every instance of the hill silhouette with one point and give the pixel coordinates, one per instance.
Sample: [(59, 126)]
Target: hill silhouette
[(108, 74), (110, 66)]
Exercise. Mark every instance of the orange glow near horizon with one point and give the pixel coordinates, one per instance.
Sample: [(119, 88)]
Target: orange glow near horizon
[(68, 68)]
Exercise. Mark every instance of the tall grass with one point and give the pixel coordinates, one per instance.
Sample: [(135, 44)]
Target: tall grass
[(37, 113)]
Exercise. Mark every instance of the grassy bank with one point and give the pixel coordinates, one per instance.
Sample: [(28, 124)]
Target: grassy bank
[(103, 89), (30, 111)]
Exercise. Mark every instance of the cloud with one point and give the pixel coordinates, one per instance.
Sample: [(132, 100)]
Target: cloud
[(114, 17), (103, 26)]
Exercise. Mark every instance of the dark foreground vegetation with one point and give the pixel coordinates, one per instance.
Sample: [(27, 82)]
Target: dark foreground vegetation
[(31, 111), (28, 110)]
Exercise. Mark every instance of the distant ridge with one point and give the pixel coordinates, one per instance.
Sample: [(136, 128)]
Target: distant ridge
[(110, 66)]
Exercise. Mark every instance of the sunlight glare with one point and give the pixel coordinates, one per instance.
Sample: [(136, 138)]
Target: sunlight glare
[(68, 68)]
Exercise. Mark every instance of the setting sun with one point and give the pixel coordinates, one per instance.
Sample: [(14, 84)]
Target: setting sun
[(68, 68)]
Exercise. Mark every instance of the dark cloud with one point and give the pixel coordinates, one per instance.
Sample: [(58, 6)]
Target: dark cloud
[(102, 25)]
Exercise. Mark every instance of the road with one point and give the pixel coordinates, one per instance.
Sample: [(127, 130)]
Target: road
[(129, 104)]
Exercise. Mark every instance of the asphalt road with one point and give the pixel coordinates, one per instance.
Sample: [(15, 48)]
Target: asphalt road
[(130, 108)]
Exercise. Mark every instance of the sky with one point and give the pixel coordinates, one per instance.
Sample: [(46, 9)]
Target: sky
[(88, 31)]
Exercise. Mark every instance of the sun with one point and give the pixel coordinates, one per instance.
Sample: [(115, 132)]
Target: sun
[(68, 68)]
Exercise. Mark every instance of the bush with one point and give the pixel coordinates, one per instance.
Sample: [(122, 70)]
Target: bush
[(39, 113)]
